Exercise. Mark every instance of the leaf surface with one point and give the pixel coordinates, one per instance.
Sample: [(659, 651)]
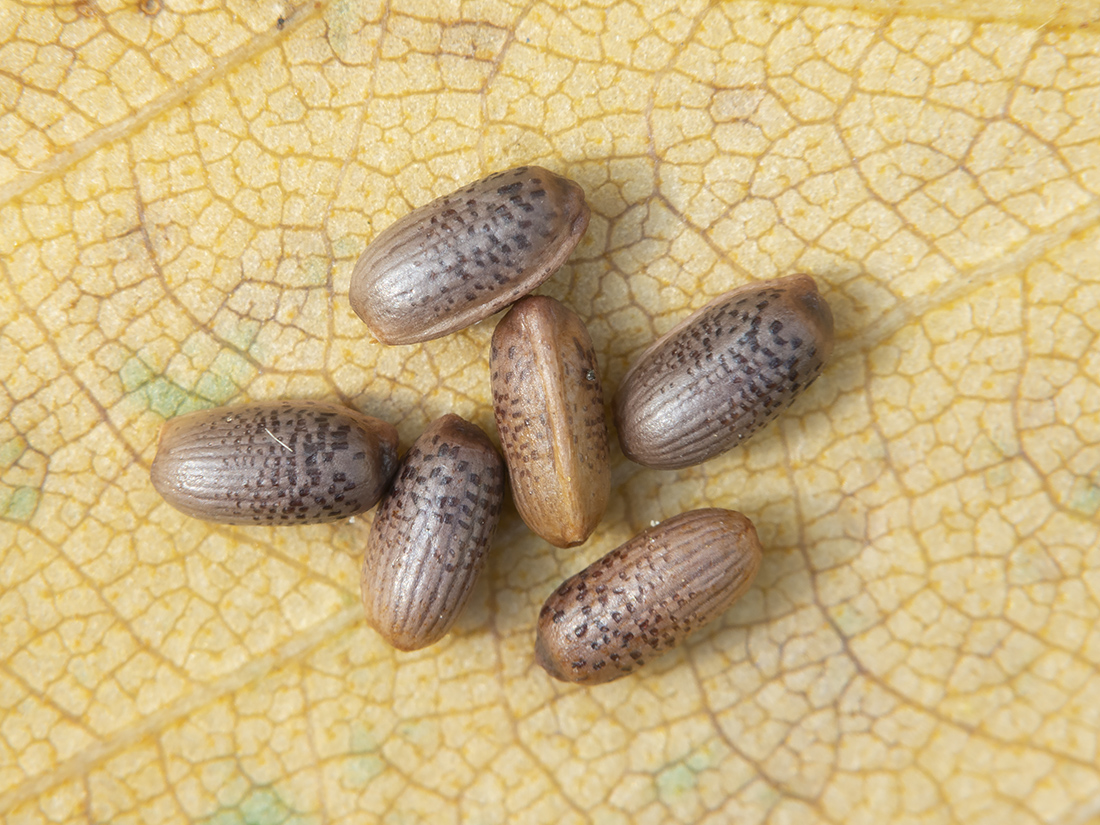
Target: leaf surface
[(184, 188)]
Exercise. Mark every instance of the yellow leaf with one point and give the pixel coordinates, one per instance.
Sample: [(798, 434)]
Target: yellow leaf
[(184, 188)]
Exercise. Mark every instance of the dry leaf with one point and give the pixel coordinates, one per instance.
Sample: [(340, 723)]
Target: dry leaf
[(184, 188)]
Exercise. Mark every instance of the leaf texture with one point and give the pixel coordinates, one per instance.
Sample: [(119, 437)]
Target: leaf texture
[(184, 189)]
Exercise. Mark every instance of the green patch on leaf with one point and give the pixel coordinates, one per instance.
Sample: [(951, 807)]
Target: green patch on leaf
[(261, 807), (216, 389), (365, 764), (347, 247), (682, 778), (164, 398), (362, 740), (20, 504), (158, 394), (360, 770), (134, 375), (242, 334), (706, 756), (218, 385), (315, 271), (11, 451), (1085, 497), (227, 374), (674, 782)]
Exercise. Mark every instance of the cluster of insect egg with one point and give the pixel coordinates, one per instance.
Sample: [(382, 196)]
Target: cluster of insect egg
[(700, 390)]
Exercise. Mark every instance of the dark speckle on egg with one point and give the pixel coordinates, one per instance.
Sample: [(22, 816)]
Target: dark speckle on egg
[(431, 534), (274, 462), (462, 257), (722, 374), (646, 596)]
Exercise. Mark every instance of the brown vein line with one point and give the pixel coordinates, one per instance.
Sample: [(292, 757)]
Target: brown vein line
[(326, 230), (145, 231), (1050, 14), (269, 549), (497, 62), (172, 792), (104, 414), (154, 723), (974, 731), (910, 310), (109, 607), (1083, 812), (108, 134)]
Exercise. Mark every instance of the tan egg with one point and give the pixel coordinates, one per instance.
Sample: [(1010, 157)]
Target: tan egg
[(428, 542), (548, 404), (645, 597), (274, 463), (723, 373), (464, 256)]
